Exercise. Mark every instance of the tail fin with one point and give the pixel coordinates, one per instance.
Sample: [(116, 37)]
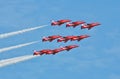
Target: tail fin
[(82, 27)]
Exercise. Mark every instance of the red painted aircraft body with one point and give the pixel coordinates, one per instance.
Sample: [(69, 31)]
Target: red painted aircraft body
[(50, 38), (66, 38), (72, 38), (89, 26), (36, 52), (71, 47), (60, 22), (45, 39), (57, 50), (74, 24), (41, 52), (62, 39), (82, 37), (54, 51)]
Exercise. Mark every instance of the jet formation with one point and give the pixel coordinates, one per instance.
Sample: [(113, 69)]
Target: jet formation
[(65, 39), (54, 51), (68, 22)]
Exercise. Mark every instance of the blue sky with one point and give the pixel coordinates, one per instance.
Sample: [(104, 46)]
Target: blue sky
[(96, 58)]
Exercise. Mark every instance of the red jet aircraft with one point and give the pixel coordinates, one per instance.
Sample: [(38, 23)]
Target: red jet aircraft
[(71, 47), (45, 39), (80, 37), (72, 38), (89, 26), (74, 24), (49, 51), (57, 50), (45, 51), (65, 39), (36, 52), (60, 22), (69, 37), (62, 39), (50, 38)]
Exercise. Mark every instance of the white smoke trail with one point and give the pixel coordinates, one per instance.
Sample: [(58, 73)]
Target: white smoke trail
[(20, 32), (16, 46), (15, 60)]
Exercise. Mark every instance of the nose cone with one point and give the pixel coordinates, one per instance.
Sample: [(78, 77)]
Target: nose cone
[(87, 36), (74, 46), (98, 24), (77, 46)]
